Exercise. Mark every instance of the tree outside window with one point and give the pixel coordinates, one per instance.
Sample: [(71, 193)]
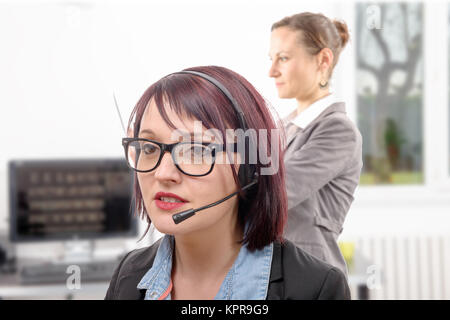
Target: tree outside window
[(389, 91)]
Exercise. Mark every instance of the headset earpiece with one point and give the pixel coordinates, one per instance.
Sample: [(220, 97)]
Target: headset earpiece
[(247, 172)]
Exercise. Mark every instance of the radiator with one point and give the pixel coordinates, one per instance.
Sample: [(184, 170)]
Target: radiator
[(406, 267)]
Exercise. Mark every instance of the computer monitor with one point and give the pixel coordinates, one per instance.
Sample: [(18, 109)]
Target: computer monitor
[(70, 199)]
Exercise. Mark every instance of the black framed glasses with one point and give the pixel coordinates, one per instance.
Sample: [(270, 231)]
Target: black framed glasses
[(190, 157)]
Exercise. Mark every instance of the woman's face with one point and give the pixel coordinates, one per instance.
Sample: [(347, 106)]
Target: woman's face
[(195, 191), (295, 71)]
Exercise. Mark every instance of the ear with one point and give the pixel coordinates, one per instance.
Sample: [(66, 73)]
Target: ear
[(325, 60)]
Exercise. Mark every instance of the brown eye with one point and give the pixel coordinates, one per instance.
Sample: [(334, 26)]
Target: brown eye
[(149, 148)]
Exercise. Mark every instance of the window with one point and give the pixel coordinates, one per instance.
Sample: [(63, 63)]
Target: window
[(389, 78), (448, 41)]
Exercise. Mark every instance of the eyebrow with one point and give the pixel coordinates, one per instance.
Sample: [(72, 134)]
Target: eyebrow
[(152, 133), (280, 52), (147, 131)]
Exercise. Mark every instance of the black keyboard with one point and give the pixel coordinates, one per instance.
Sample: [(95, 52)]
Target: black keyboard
[(59, 273)]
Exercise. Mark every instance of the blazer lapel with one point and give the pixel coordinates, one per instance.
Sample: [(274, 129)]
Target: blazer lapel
[(292, 130)]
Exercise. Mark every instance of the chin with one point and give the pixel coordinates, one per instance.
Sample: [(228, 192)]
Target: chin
[(163, 222), (282, 94)]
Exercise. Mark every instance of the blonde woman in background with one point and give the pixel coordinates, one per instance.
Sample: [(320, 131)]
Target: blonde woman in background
[(323, 147)]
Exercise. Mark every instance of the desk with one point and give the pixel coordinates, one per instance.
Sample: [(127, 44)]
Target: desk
[(10, 288)]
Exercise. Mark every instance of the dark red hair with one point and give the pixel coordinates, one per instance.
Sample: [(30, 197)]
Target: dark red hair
[(264, 208)]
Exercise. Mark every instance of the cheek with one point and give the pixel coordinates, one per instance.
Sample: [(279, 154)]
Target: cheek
[(222, 175), (292, 73), (303, 76), (145, 182), (141, 179)]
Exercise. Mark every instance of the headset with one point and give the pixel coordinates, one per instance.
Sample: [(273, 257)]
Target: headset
[(247, 175)]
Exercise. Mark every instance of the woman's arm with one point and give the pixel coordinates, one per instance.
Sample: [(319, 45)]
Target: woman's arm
[(327, 152)]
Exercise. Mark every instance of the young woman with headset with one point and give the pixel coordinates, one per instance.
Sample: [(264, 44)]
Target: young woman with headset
[(323, 148), (223, 221)]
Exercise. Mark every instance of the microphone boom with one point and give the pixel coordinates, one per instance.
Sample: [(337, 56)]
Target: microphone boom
[(181, 216)]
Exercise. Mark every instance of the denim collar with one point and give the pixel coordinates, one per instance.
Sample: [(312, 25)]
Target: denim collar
[(247, 279)]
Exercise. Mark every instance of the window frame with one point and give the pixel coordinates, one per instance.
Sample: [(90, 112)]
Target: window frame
[(436, 168)]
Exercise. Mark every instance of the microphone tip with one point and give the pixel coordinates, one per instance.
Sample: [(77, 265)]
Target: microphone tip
[(181, 216)]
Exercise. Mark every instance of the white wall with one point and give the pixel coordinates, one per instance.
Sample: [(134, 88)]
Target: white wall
[(61, 61)]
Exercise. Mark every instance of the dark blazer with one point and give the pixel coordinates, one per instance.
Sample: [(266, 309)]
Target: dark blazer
[(295, 275)]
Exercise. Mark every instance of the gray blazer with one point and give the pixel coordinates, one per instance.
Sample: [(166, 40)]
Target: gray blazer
[(323, 164)]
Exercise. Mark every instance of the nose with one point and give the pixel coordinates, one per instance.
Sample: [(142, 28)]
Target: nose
[(167, 171), (273, 71)]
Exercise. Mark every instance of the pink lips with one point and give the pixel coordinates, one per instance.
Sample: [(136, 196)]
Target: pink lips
[(168, 205)]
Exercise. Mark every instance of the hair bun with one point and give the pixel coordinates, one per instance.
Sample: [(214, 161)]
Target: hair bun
[(343, 32)]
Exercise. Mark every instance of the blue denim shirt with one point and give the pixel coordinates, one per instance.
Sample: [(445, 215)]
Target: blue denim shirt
[(248, 278)]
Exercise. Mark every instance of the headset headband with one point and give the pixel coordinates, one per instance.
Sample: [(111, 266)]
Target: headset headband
[(225, 91)]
